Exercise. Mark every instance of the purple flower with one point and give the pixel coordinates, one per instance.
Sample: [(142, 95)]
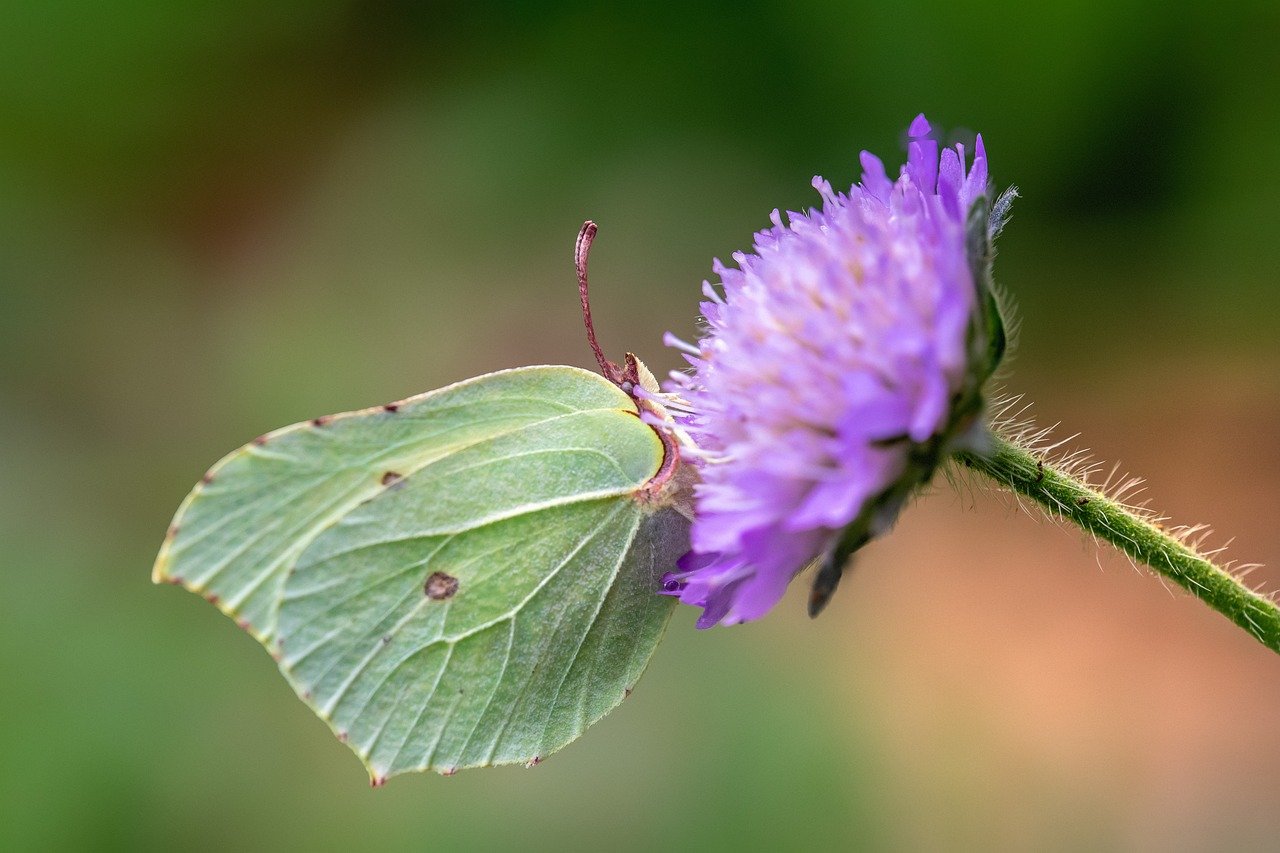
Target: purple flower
[(836, 370)]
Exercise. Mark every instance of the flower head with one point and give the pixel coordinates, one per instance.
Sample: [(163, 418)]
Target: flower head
[(836, 369)]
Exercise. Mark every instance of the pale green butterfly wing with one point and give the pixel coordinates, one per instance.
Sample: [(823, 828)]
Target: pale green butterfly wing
[(465, 578)]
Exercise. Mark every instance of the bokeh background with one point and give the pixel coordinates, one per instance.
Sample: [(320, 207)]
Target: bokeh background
[(220, 217)]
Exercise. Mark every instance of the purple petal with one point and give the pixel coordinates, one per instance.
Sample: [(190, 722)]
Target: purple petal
[(837, 347), (919, 127)]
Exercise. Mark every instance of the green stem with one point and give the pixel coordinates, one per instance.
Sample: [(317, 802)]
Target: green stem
[(1062, 495)]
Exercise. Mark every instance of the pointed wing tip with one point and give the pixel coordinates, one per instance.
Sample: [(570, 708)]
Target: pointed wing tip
[(160, 568), (161, 575)]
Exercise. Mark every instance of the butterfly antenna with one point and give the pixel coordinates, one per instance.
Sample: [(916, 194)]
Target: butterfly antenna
[(581, 251)]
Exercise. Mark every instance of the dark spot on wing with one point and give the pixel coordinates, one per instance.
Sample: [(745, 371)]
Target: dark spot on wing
[(391, 407), (260, 440), (322, 420), (391, 477), (440, 586)]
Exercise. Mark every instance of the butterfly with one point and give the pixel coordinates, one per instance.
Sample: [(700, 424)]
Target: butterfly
[(458, 579)]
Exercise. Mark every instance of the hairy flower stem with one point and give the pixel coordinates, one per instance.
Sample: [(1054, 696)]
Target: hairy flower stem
[(1061, 495)]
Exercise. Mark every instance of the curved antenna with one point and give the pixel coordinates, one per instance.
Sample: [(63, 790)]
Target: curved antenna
[(581, 251)]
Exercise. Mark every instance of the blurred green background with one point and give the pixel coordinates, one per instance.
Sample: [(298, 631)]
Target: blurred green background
[(220, 217)]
